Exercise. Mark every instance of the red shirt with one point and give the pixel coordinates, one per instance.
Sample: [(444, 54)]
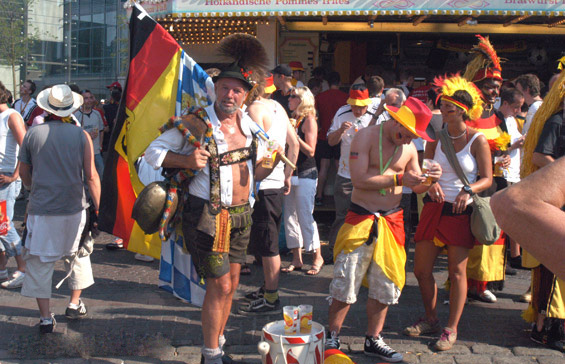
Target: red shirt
[(327, 104)]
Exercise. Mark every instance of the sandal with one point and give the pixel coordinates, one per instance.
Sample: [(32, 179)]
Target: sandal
[(315, 270), (245, 270), (291, 268)]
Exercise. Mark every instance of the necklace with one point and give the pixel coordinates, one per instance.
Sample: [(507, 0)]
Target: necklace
[(457, 137), (230, 128)]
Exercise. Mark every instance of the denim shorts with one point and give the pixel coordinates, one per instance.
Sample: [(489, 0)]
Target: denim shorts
[(11, 243)]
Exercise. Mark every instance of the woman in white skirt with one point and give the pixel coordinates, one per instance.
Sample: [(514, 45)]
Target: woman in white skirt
[(301, 230)]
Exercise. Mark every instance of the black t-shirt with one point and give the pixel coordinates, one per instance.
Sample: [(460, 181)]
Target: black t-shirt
[(110, 112), (283, 100), (551, 141)]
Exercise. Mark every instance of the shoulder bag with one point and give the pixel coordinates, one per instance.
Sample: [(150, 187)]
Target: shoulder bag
[(483, 224)]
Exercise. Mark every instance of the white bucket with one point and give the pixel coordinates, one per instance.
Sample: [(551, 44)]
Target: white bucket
[(278, 348)]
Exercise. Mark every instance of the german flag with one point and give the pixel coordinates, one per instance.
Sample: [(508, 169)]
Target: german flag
[(161, 78)]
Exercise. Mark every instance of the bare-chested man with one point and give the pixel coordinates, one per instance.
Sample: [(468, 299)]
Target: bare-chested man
[(371, 242), (210, 211)]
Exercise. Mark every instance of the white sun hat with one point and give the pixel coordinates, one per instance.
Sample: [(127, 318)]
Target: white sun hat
[(59, 100)]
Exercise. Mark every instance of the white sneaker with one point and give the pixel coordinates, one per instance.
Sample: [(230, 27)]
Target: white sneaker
[(4, 275), (144, 258), (16, 281), (488, 296)]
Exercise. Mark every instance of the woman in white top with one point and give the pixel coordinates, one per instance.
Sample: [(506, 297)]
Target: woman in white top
[(445, 219), (301, 230)]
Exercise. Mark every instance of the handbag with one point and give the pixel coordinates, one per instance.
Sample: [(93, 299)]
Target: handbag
[(483, 224)]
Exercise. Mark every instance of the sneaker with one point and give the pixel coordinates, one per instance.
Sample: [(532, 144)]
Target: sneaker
[(446, 340), (76, 313), (4, 275), (376, 346), (16, 281), (47, 326), (255, 295), (487, 296), (332, 340), (144, 258), (539, 337), (261, 307), (117, 244), (421, 327), (553, 340)]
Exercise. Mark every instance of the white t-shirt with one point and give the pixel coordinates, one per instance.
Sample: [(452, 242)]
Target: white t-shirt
[(92, 121), (530, 115), (343, 115), (512, 174)]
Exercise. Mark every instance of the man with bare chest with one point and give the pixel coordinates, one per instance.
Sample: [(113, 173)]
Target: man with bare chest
[(216, 216), (371, 242)]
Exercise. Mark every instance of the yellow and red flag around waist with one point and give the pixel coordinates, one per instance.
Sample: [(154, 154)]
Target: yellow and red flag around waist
[(389, 253)]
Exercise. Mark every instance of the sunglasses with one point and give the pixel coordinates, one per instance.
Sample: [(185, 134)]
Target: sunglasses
[(294, 96)]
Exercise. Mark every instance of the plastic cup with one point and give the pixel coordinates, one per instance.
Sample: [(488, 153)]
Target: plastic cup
[(498, 170), (427, 164), (290, 315), (305, 312)]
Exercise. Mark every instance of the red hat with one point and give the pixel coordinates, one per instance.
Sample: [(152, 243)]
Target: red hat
[(359, 97), (115, 85), (269, 84), (415, 116), (296, 66), (488, 72)]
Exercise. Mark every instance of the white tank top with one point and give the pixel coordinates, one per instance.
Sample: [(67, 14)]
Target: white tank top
[(449, 182), (8, 146), (277, 132)]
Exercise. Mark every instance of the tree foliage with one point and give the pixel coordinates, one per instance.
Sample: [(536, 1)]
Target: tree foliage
[(15, 36)]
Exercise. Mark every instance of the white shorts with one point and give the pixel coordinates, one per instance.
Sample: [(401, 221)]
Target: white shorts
[(349, 271), (39, 275)]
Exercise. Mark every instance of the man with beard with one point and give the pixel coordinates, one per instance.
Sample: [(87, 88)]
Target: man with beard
[(216, 216)]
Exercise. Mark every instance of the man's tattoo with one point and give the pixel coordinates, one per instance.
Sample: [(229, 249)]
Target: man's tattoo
[(353, 155)]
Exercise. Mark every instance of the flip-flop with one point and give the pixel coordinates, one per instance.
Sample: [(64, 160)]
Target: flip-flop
[(315, 270), (291, 268)]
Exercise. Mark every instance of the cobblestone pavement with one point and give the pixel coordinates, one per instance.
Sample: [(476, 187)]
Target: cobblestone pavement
[(131, 320)]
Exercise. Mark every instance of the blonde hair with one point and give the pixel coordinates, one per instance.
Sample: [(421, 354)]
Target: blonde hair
[(307, 103)]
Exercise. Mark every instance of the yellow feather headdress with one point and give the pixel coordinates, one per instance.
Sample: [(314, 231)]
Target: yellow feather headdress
[(486, 63), (449, 85)]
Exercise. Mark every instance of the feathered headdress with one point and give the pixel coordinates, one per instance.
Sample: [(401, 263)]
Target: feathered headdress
[(552, 102), (486, 63), (457, 83), (248, 56)]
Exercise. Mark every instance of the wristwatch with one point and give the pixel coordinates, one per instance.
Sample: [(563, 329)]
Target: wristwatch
[(468, 189)]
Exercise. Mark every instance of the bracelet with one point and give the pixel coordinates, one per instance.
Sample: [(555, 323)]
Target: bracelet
[(397, 179)]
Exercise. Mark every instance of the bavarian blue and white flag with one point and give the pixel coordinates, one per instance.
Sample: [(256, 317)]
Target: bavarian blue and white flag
[(195, 87)]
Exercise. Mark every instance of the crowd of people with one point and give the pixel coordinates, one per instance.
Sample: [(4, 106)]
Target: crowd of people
[(383, 140)]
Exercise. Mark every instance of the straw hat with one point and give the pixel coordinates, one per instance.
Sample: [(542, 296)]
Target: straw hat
[(415, 116), (59, 100)]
